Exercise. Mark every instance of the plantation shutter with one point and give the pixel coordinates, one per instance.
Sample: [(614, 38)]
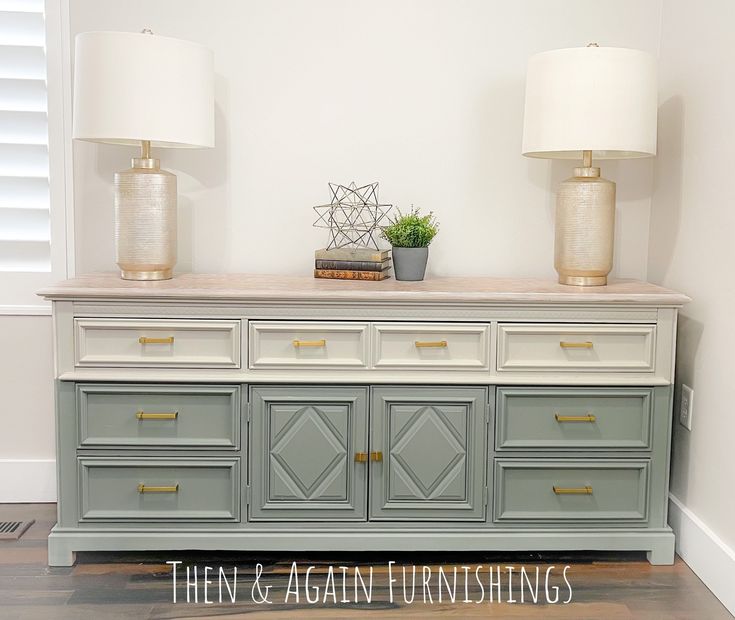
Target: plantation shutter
[(25, 240)]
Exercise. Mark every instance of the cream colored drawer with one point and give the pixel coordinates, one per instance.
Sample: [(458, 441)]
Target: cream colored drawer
[(578, 348), (157, 343), (291, 344), (444, 346)]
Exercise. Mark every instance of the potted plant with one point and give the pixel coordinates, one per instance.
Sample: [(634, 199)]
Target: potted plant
[(410, 236)]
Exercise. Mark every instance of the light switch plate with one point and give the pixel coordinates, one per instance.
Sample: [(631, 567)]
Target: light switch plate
[(686, 406)]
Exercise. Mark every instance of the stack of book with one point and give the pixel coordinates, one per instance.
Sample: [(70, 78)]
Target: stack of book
[(352, 264)]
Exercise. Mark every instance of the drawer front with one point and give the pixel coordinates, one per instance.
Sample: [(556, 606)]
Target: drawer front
[(574, 418), (577, 348), (157, 343), (430, 345), (206, 416), (290, 344), (155, 489), (562, 491)]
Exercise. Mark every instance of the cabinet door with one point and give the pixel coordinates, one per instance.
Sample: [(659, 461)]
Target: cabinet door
[(434, 453), (304, 443)]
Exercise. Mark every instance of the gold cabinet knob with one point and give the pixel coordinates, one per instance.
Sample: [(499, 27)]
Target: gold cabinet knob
[(310, 343), (361, 457), (376, 456)]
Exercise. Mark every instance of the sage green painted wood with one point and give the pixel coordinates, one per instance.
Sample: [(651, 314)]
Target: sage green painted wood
[(208, 489), (526, 418), (303, 445), (524, 490), (207, 416), (433, 442), (66, 456), (358, 538)]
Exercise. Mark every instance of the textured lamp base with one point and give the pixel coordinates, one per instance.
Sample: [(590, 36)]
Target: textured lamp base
[(585, 228), (145, 221), (160, 274)]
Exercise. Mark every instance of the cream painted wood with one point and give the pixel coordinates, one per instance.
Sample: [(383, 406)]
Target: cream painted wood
[(108, 342), (578, 348), (225, 288), (439, 346), (291, 344)]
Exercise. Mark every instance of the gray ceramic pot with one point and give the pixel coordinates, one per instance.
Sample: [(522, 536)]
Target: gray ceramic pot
[(410, 263)]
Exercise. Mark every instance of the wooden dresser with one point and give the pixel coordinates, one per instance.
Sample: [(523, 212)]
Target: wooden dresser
[(264, 413)]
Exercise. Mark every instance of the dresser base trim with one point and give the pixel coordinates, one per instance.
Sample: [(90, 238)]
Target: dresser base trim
[(657, 543)]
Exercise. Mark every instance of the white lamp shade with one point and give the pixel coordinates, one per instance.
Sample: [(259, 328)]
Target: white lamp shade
[(130, 87), (599, 99)]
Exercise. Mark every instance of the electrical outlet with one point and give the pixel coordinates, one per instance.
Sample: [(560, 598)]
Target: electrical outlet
[(686, 406)]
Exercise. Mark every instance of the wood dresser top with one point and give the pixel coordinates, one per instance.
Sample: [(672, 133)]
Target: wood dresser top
[(268, 288)]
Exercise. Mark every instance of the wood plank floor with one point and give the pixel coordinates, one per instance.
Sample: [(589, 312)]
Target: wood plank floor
[(108, 586)]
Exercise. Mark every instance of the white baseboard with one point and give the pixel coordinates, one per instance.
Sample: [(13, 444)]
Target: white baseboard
[(706, 554), (27, 480)]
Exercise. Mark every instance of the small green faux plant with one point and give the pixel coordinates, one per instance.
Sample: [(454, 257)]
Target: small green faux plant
[(411, 230)]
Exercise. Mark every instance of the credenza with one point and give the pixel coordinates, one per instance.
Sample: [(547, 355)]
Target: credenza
[(274, 413)]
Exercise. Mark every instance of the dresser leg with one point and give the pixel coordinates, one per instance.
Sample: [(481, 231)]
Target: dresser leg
[(60, 552), (662, 552)]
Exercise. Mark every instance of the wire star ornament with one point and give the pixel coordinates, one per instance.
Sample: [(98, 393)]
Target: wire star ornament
[(353, 216)]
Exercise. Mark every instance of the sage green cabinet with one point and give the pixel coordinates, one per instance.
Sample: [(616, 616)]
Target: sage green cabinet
[(303, 446), (432, 441)]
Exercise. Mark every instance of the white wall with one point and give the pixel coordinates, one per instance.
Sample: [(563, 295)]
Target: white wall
[(692, 248), (425, 96)]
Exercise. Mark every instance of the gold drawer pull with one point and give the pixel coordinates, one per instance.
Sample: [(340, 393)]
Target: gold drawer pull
[(147, 340), (361, 457), (575, 418), (438, 344), (585, 490), (376, 456), (169, 415), (310, 343), (144, 488), (576, 345)]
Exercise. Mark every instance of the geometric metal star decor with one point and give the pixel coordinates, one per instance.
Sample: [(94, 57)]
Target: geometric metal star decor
[(353, 216)]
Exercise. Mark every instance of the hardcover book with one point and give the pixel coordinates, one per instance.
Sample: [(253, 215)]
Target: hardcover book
[(354, 265), (353, 254), (347, 274)]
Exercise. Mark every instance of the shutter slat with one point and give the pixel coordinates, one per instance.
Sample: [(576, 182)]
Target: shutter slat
[(25, 256), (23, 95), (24, 193), (23, 160), (25, 6), (22, 28), (22, 62), (23, 128), (25, 225)]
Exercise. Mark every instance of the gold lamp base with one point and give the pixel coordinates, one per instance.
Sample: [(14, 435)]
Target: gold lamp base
[(145, 220), (585, 227)]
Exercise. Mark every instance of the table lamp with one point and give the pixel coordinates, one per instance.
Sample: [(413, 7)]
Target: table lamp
[(151, 91), (589, 103)]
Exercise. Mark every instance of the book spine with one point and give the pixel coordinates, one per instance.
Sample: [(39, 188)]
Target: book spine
[(353, 265), (346, 274), (352, 255)]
